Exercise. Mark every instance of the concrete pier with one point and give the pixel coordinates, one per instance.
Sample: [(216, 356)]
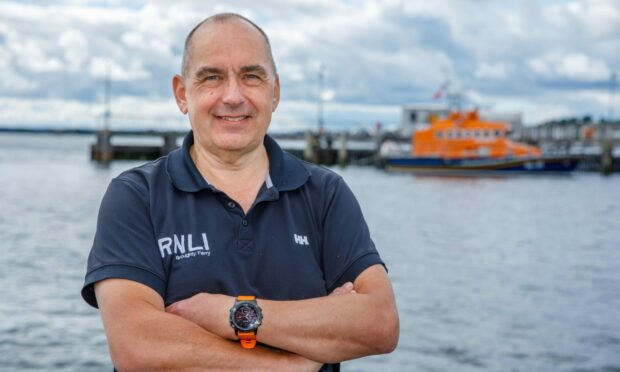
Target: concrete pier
[(317, 149), (104, 151), (343, 148)]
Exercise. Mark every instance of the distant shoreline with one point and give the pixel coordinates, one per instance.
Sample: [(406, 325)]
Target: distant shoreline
[(47, 130), (148, 132)]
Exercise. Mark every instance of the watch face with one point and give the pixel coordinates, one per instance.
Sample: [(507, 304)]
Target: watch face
[(246, 317)]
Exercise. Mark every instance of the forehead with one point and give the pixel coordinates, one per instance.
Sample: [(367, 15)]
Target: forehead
[(232, 41)]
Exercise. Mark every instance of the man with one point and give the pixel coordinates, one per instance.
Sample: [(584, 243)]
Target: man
[(230, 230)]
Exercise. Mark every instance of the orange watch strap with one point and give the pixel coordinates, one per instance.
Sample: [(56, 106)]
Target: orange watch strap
[(247, 339)]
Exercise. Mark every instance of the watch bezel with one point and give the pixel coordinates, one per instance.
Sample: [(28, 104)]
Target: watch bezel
[(249, 304)]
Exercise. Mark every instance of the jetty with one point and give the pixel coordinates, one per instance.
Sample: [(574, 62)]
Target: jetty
[(598, 144), (325, 148)]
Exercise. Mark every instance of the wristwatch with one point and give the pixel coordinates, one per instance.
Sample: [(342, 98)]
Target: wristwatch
[(245, 318)]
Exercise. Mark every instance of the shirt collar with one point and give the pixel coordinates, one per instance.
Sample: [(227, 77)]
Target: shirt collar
[(286, 172)]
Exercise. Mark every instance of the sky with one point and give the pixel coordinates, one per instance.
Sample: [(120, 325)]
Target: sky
[(543, 59)]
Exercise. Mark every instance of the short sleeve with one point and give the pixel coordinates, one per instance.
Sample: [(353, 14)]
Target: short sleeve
[(124, 245), (348, 248)]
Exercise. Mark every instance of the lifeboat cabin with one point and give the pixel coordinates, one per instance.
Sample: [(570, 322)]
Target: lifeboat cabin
[(463, 135)]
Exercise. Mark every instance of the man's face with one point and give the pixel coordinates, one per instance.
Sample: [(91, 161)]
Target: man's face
[(230, 89)]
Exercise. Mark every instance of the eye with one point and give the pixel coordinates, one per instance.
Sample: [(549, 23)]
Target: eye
[(211, 81), (252, 79)]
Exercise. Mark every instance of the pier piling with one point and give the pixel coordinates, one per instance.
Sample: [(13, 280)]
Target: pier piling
[(343, 150), (607, 159), (170, 143), (103, 150)]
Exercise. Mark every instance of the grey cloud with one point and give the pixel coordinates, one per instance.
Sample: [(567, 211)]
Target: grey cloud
[(388, 54)]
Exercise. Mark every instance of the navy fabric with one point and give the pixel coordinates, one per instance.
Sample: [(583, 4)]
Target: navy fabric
[(163, 225)]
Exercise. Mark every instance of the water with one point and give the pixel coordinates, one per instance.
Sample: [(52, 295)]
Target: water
[(490, 274)]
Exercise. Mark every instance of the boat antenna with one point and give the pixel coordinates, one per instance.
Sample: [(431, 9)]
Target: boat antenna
[(454, 101), (612, 92), (107, 113), (320, 97)]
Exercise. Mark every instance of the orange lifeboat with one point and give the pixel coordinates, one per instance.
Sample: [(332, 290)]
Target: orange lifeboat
[(465, 136), (462, 143)]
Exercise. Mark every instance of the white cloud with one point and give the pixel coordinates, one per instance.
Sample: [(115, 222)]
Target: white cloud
[(328, 95), (101, 68), (496, 71), (573, 66), (34, 55), (75, 48), (57, 112), (377, 54), (15, 83), (127, 112)]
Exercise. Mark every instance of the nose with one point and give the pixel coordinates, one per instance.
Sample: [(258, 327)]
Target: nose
[(233, 94)]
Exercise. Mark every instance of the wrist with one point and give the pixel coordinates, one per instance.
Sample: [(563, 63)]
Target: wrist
[(245, 317)]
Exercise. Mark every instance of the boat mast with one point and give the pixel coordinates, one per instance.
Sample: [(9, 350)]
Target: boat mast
[(106, 97), (612, 93), (320, 98)]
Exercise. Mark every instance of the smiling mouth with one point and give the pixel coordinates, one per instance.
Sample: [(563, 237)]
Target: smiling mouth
[(233, 119)]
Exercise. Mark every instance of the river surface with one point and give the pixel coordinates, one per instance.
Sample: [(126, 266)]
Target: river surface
[(490, 274)]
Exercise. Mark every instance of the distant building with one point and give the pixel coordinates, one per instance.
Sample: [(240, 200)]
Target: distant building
[(573, 129), (515, 119)]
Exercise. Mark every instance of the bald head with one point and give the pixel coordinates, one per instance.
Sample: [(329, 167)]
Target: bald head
[(221, 18)]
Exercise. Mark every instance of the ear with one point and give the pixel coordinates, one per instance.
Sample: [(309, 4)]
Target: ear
[(178, 88), (276, 93)]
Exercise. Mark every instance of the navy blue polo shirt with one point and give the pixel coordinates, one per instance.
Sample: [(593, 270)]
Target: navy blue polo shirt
[(163, 225)]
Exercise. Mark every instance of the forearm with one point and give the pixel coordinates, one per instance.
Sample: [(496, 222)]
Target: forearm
[(143, 337), (159, 341), (330, 329), (327, 329)]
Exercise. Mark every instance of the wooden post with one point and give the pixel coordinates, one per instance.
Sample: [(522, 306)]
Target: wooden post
[(342, 150), (607, 157), (170, 143), (378, 160), (311, 150)]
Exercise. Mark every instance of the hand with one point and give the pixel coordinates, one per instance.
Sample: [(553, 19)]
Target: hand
[(343, 289), (210, 311)]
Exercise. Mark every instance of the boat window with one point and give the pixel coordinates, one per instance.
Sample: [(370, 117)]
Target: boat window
[(486, 134), (497, 133), (439, 134), (457, 134), (477, 134), (466, 134)]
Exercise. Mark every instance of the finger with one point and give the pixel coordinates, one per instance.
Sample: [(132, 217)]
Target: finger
[(343, 289)]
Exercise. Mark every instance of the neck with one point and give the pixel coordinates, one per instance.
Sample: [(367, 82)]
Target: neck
[(239, 175)]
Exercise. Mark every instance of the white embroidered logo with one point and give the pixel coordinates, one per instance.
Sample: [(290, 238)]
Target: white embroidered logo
[(301, 239), (180, 250)]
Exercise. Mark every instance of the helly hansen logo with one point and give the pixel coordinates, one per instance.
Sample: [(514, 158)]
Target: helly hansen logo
[(184, 246), (301, 239)]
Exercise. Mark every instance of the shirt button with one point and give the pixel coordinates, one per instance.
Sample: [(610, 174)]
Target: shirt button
[(231, 205), (244, 223)]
